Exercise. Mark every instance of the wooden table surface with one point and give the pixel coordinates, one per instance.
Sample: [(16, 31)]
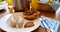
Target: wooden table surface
[(39, 29)]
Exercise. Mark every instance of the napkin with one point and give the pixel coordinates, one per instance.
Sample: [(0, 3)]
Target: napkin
[(54, 24), (55, 5), (7, 10)]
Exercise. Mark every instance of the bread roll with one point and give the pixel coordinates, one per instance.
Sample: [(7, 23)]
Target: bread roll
[(12, 22), (15, 21), (20, 22), (31, 15)]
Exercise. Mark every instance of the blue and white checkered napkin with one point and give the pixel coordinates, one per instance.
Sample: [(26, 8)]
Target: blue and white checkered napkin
[(53, 23)]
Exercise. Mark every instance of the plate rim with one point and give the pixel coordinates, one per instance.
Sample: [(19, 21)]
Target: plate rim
[(11, 14)]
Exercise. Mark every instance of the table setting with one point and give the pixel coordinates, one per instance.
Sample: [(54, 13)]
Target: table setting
[(45, 22), (50, 24), (4, 24), (26, 21)]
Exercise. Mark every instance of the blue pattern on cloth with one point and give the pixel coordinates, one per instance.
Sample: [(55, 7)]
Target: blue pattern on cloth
[(52, 22)]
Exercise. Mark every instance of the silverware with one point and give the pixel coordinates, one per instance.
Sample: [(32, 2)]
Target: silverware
[(49, 26)]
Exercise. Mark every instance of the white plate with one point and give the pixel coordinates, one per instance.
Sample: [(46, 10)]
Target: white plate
[(6, 27)]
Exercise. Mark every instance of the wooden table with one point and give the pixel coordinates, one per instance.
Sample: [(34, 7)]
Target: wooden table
[(48, 14)]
